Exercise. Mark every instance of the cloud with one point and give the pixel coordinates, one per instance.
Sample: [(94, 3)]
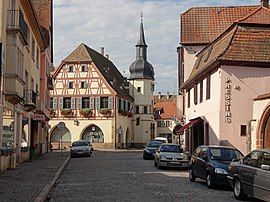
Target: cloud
[(115, 24)]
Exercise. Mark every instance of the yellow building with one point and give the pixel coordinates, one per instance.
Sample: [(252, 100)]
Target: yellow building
[(22, 41)]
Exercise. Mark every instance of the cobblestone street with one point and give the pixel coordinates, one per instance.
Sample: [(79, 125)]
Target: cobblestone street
[(125, 176)]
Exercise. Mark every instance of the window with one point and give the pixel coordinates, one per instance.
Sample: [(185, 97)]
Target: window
[(70, 84), (145, 110), (70, 68), (104, 102), (243, 130), (37, 57), (137, 109), (139, 89), (83, 84), (51, 103), (208, 87), (66, 103), (138, 121), (85, 102), (252, 159), (265, 159), (168, 124), (84, 68), (188, 98), (203, 153), (195, 93), (159, 124), (33, 48), (201, 91)]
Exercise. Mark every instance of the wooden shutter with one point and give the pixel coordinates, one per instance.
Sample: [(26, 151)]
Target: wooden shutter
[(126, 108), (61, 103), (195, 93), (55, 103), (97, 103), (79, 103), (122, 104), (110, 102), (92, 103), (73, 102), (208, 88)]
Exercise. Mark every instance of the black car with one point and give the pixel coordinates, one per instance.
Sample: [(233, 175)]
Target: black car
[(211, 163), (150, 149), (251, 175)]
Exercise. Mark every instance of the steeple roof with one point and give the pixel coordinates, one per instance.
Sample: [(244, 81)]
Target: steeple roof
[(141, 68)]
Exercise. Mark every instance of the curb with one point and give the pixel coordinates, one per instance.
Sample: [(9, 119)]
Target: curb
[(42, 196)]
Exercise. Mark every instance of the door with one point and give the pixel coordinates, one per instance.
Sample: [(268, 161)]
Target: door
[(249, 171), (194, 161), (261, 185)]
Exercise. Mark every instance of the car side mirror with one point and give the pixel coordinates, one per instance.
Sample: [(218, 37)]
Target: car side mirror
[(265, 167), (235, 160)]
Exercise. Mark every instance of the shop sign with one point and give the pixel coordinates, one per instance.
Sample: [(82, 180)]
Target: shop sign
[(38, 117), (228, 97)]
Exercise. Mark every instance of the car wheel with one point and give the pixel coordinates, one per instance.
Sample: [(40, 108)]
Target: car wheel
[(191, 176), (144, 157), (238, 190), (209, 182)]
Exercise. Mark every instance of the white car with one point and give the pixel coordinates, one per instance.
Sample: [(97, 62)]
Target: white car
[(80, 148), (162, 139)]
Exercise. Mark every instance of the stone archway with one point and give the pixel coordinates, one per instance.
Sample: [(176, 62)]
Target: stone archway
[(263, 133), (60, 139), (93, 133)]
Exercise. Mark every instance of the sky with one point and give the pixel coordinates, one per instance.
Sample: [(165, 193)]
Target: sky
[(114, 24)]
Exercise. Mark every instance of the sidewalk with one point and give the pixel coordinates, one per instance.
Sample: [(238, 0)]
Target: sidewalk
[(26, 181)]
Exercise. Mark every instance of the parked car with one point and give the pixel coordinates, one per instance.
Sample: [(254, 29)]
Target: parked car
[(150, 149), (170, 155), (211, 163), (251, 176), (80, 148), (161, 139)]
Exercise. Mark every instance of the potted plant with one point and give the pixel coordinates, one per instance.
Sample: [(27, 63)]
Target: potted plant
[(66, 112), (129, 114), (86, 112), (105, 111)]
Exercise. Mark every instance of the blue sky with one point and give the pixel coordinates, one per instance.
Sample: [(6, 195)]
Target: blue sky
[(114, 24)]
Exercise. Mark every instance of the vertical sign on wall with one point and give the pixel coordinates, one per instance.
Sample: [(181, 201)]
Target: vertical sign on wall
[(1, 68), (228, 97)]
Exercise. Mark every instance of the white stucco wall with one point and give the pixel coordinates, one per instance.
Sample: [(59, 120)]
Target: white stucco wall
[(208, 109), (259, 106), (247, 83)]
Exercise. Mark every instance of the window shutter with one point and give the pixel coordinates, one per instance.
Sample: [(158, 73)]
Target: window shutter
[(98, 103), (126, 106), (79, 103), (73, 103), (54, 103), (110, 102), (61, 103), (148, 109), (122, 104), (92, 103)]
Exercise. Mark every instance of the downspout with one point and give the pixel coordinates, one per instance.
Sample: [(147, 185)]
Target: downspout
[(115, 122)]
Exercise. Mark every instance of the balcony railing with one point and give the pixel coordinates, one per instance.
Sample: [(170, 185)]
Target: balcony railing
[(16, 23)]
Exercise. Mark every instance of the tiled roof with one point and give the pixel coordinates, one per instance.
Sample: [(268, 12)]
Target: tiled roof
[(108, 70), (242, 43), (263, 96), (260, 15), (202, 25), (169, 109)]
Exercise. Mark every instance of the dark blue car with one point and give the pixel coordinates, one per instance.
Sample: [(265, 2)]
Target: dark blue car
[(211, 163), (150, 149)]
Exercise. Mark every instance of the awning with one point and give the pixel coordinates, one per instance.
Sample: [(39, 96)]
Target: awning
[(192, 122)]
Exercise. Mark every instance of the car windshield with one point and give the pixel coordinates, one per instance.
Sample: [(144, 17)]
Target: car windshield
[(224, 154), (78, 144), (171, 148), (155, 144), (159, 140)]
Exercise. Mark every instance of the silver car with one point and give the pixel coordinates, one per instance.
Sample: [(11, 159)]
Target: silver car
[(250, 176), (170, 155), (80, 148)]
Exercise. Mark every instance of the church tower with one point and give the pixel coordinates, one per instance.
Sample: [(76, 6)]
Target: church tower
[(142, 87)]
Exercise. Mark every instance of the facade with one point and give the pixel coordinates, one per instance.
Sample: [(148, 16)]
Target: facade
[(228, 74), (166, 117), (97, 103), (23, 43)]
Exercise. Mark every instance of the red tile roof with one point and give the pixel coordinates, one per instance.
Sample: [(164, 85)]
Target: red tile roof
[(169, 108), (242, 43), (202, 25), (263, 96), (261, 15)]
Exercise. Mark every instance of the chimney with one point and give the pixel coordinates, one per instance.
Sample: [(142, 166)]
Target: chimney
[(102, 50), (107, 56), (265, 3), (168, 95), (159, 95)]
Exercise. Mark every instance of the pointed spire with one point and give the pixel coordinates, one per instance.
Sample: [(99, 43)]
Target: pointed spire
[(141, 39)]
